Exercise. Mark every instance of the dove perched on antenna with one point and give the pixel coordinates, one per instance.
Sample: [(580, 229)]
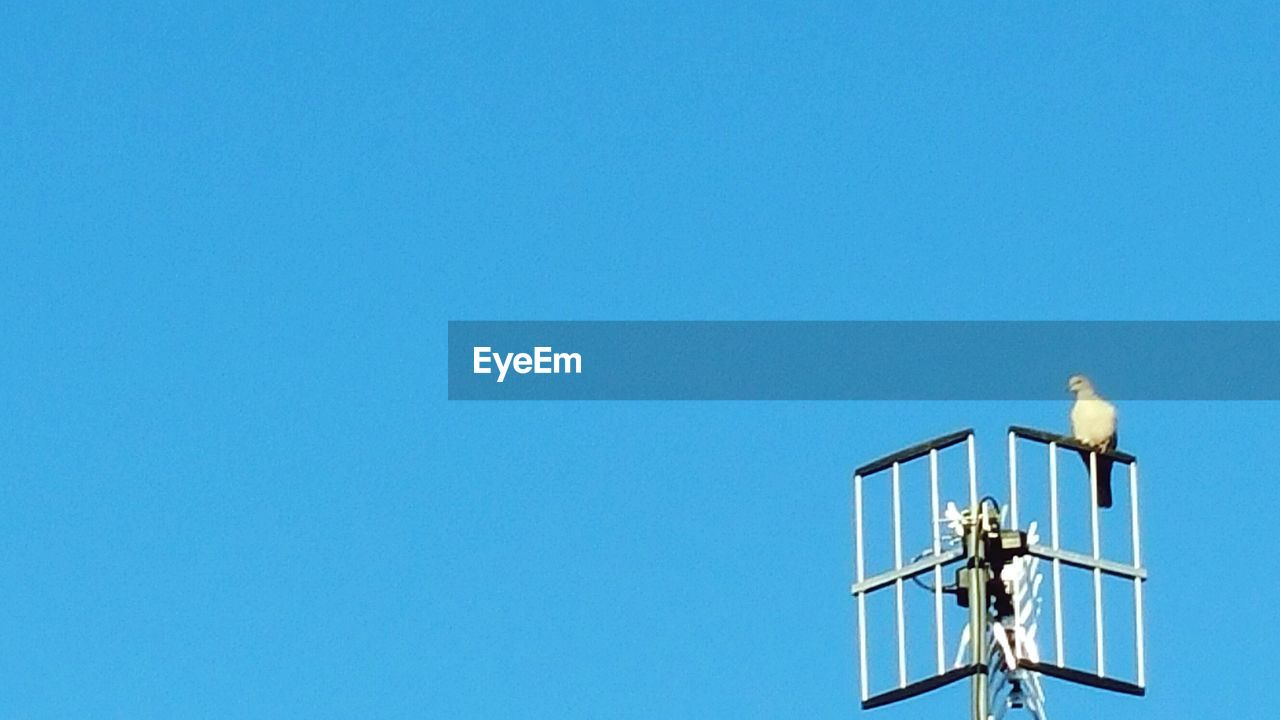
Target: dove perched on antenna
[(1093, 423)]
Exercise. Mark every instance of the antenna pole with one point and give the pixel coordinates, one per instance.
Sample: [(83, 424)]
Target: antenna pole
[(978, 617)]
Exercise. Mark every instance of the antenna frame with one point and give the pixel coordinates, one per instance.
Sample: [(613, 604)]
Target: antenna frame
[(1094, 562), (901, 572), (978, 570)]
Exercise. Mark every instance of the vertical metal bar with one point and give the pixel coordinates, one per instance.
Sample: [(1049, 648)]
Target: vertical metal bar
[(939, 633), (1013, 481), (973, 475), (1057, 566), (1137, 583), (1133, 514), (977, 592), (862, 596), (977, 580), (897, 584), (1097, 574)]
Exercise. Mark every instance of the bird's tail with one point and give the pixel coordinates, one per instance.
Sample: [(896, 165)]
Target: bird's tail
[(1104, 478), (1104, 482)]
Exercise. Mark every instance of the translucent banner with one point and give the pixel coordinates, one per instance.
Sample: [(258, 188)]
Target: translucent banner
[(861, 360)]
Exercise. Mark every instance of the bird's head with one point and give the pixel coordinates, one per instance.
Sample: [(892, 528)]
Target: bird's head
[(1079, 384)]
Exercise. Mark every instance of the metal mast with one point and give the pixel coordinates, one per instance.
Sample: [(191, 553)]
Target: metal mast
[(977, 576)]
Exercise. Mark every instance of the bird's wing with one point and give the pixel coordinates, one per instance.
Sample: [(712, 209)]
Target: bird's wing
[(1109, 421), (1093, 421)]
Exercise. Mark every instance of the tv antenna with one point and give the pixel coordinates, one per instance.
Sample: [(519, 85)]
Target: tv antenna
[(998, 577)]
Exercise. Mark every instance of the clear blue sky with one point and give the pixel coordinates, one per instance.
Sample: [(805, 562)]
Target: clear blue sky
[(231, 484)]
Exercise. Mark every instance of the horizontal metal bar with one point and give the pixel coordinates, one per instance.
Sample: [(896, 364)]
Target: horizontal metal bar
[(916, 567), (1083, 677), (920, 687), (913, 452), (1081, 560), (1067, 441)]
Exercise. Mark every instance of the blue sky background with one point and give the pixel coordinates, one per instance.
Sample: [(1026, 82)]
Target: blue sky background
[(231, 484)]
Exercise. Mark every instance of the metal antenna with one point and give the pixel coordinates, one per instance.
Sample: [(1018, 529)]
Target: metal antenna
[(976, 581), (998, 579)]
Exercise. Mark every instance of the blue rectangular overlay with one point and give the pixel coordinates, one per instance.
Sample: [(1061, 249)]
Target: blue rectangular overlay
[(861, 360)]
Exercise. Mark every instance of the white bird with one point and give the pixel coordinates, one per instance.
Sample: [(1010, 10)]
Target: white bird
[(1093, 423)]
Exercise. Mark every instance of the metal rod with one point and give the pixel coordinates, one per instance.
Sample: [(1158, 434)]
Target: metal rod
[(1137, 583), (1138, 623), (977, 591), (1013, 518), (1133, 514), (897, 585), (862, 643), (1013, 481), (973, 474), (1097, 574), (1080, 560), (939, 633), (977, 576), (862, 596), (921, 566), (1057, 566)]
